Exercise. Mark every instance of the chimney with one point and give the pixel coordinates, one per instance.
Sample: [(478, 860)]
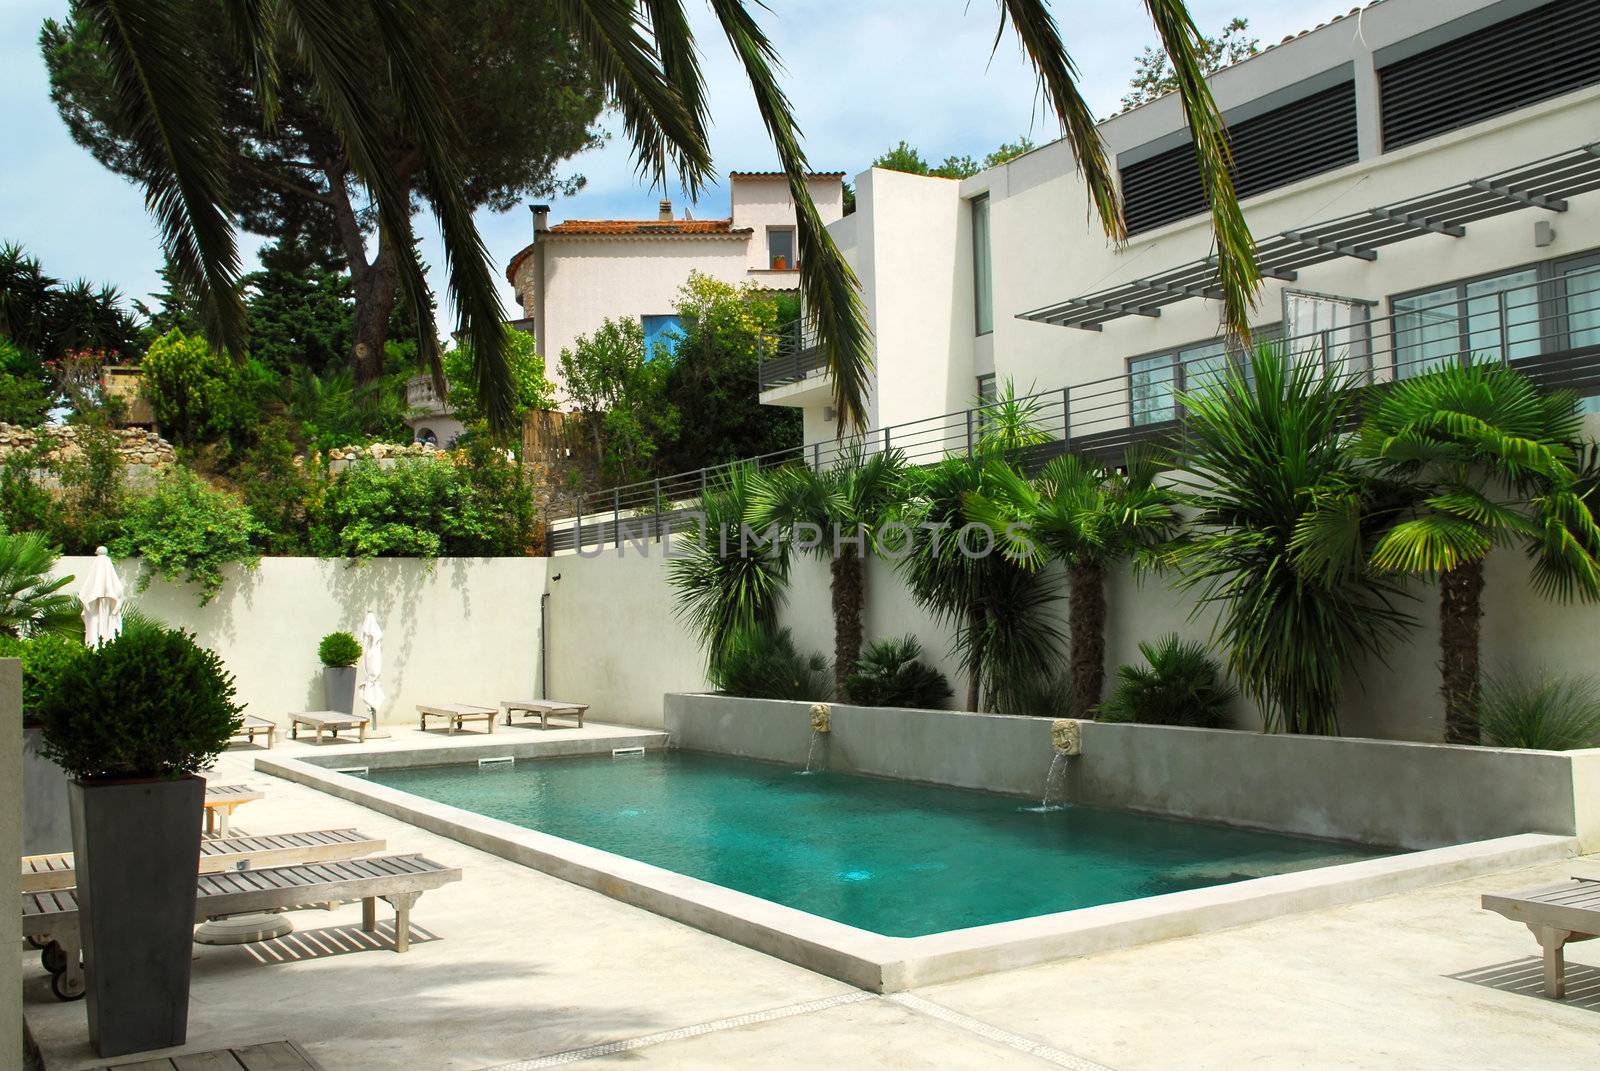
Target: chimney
[(541, 218), (665, 213)]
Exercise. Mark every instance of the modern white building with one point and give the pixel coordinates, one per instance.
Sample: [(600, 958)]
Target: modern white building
[(1421, 177), (577, 273)]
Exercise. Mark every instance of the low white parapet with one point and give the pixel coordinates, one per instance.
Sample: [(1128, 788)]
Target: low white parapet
[(1380, 792)]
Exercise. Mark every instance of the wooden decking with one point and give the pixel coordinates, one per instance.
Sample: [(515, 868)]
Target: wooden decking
[(273, 1056)]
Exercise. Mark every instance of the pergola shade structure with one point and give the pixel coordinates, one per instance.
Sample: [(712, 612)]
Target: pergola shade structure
[(1544, 184)]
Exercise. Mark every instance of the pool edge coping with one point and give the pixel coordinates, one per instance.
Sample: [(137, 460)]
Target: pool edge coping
[(885, 964)]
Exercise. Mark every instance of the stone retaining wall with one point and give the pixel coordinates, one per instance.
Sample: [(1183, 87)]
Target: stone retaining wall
[(136, 445)]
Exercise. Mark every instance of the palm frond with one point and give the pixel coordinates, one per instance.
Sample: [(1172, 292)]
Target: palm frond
[(665, 132), (828, 283), (1237, 274), (423, 101), (1040, 38), (172, 118)]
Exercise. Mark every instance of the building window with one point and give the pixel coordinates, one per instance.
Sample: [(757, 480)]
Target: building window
[(1482, 320), (661, 336), (982, 277), (986, 390), (1326, 329), (780, 249), (1507, 317), (1156, 380)]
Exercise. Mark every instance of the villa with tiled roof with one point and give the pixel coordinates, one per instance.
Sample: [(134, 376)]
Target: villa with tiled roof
[(577, 273)]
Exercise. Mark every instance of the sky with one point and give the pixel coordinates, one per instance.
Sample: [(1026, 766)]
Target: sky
[(862, 75)]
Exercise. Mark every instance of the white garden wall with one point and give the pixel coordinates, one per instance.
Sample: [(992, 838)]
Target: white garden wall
[(463, 629), (615, 643), (468, 630)]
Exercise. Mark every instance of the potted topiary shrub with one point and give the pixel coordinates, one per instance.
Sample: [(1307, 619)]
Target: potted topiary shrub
[(339, 652), (132, 722)]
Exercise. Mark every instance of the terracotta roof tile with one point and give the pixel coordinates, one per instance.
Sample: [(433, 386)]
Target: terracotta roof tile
[(643, 227)]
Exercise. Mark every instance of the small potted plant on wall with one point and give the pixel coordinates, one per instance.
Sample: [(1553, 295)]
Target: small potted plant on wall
[(339, 652), (133, 722)]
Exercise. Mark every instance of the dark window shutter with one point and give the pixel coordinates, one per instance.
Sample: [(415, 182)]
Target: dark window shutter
[(1299, 139), (1518, 61)]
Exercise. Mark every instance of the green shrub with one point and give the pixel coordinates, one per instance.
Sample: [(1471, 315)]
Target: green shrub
[(529, 388), (198, 395), (761, 664), (424, 508), (151, 703), (92, 497), (186, 529), (891, 673), (339, 649), (44, 659), (1180, 686), (24, 397), (25, 504), (1546, 712), (277, 491)]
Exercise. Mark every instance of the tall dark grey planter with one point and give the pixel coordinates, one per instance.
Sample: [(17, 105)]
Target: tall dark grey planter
[(339, 688), (46, 820), (138, 852)]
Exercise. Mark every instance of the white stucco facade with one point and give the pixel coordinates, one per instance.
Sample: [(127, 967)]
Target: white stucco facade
[(576, 274), (911, 238)]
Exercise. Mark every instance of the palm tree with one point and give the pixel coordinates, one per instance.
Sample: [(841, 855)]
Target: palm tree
[(1486, 460), (648, 60), (31, 601), (1003, 614), (843, 505), (1298, 600), (725, 585), (1089, 517)]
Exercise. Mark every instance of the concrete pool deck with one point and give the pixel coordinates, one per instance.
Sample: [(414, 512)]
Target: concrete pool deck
[(527, 969)]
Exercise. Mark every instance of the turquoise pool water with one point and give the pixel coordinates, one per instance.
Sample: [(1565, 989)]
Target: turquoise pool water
[(893, 857)]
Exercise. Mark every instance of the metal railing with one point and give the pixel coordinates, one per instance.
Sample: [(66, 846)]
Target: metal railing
[(1550, 330), (796, 357)]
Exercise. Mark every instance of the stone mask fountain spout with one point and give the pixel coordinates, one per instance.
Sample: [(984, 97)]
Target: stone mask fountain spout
[(821, 725), (1066, 741)]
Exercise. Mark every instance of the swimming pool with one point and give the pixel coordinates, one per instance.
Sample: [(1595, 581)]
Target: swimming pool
[(892, 857)]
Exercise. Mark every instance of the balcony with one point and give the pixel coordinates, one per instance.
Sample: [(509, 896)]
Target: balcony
[(422, 400), (1549, 330), (798, 357)]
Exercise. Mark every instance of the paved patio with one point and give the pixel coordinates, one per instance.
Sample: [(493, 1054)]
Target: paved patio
[(511, 967)]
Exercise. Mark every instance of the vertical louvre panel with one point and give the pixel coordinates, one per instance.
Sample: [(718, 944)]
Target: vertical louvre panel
[(1300, 139), (1519, 61)]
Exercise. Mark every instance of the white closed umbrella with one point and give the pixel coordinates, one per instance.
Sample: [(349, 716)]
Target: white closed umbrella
[(101, 596), (371, 688)]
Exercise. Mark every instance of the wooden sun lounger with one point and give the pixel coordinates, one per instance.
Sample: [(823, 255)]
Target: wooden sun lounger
[(51, 918), (254, 725), (545, 708), (222, 800), (48, 873), (327, 721), (1556, 915), (455, 714)]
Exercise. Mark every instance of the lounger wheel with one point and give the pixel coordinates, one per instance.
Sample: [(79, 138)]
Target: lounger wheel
[(67, 986), (35, 941), (53, 957)]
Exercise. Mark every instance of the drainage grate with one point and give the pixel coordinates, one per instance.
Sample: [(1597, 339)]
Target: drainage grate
[(498, 760), (353, 771), (625, 752)]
